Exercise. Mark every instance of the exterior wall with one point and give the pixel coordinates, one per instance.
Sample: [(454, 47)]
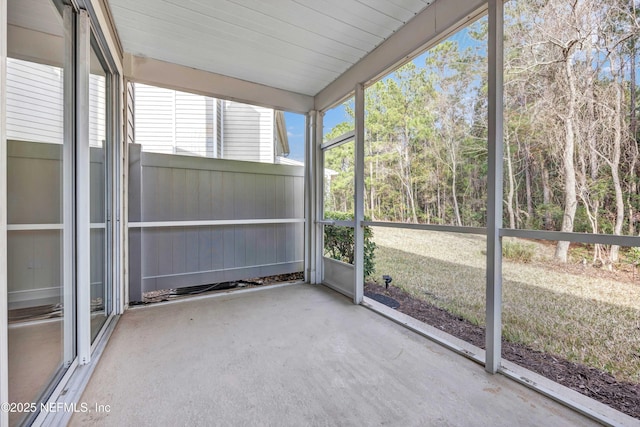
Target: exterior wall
[(248, 132), (174, 122), (154, 118), (219, 128), (97, 110), (131, 136), (194, 119), (34, 103), (34, 90), (250, 220)]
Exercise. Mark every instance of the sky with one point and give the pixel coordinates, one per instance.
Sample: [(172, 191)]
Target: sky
[(295, 122), (295, 133), (295, 129)]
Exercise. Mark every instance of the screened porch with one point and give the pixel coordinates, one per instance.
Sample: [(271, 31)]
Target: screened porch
[(319, 213)]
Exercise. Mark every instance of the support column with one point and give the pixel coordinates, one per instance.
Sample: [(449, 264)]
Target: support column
[(494, 208), (318, 171), (129, 137), (134, 202), (121, 194), (359, 195), (309, 194), (118, 153)]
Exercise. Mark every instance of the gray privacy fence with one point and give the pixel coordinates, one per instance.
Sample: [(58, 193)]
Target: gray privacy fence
[(35, 222), (35, 229), (196, 221)]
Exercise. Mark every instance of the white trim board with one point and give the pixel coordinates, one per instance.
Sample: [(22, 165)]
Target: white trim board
[(207, 223), (172, 76)]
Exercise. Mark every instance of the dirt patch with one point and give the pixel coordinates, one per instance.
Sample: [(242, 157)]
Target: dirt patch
[(172, 294), (621, 271), (598, 385)]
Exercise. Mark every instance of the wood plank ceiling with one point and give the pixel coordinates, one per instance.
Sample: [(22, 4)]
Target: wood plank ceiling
[(295, 45)]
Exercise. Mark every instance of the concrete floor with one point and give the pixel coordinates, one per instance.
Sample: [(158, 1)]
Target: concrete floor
[(294, 356), (35, 357)]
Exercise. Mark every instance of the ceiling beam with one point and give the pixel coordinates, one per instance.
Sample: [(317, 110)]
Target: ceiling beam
[(35, 46), (433, 24), (178, 77)]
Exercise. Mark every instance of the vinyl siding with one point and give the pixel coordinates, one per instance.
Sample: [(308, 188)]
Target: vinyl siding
[(97, 110), (35, 104), (219, 127), (155, 118), (174, 122), (194, 115), (248, 132), (131, 128)]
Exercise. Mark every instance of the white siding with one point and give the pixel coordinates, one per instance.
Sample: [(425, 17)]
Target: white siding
[(97, 110), (219, 127), (248, 132), (155, 118), (173, 122), (168, 121), (34, 102), (131, 128), (194, 115)]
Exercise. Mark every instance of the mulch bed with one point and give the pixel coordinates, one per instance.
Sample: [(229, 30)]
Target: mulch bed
[(598, 385), (185, 292)]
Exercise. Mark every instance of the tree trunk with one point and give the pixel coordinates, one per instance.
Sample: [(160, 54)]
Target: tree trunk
[(454, 196), (570, 199), (546, 197), (439, 195), (444, 204), (527, 182), (615, 165), (512, 217), (592, 203), (633, 129), (372, 193)]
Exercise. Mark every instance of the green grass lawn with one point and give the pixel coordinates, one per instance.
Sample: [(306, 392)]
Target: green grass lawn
[(574, 314)]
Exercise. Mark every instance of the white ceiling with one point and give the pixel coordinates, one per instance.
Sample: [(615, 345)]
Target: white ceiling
[(296, 45), (38, 15)]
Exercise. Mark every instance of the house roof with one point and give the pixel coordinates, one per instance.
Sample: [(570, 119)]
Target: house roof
[(282, 138)]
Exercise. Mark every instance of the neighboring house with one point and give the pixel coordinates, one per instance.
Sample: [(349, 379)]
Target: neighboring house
[(328, 173), (169, 121), (37, 90), (164, 120)]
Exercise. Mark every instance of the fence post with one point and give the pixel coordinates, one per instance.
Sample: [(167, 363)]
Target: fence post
[(135, 215)]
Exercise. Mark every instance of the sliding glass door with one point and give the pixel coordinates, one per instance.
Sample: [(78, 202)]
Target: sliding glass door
[(60, 159), (40, 182)]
